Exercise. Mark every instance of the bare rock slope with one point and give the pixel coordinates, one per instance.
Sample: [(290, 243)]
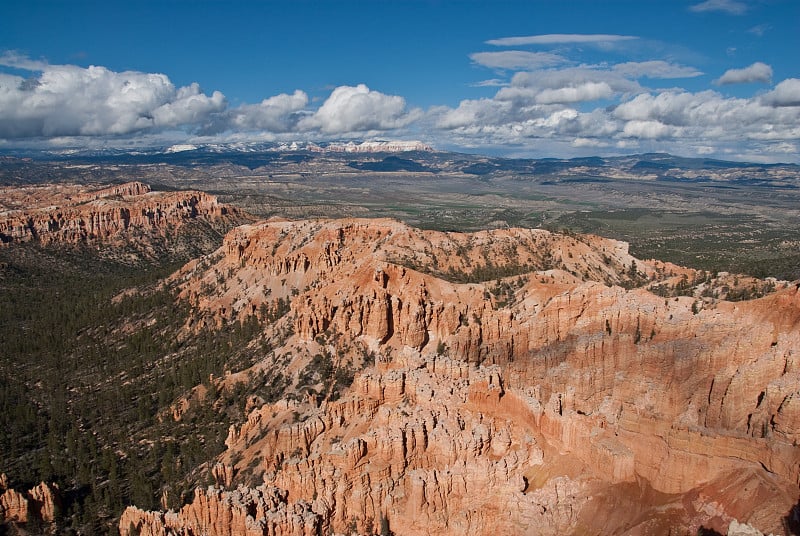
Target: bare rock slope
[(513, 381)]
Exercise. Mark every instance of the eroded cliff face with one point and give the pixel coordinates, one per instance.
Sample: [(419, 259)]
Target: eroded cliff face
[(76, 214), (549, 391)]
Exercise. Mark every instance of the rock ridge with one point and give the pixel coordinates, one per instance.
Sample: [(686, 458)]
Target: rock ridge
[(517, 367)]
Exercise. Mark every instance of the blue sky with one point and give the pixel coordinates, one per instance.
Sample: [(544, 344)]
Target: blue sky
[(523, 78)]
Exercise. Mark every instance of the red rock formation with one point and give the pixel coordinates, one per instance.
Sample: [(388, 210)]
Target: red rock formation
[(567, 404), (13, 506), (241, 512), (41, 503), (45, 502), (70, 214)]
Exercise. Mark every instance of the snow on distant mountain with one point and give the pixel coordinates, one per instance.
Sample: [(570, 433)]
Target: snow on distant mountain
[(181, 147), (378, 147), (353, 147), (341, 147)]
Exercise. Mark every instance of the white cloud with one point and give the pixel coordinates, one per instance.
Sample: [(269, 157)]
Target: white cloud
[(705, 110), (708, 115), (573, 84), (67, 100), (556, 39), (782, 148), (587, 91), (190, 106), (787, 93), (516, 59), (733, 7), (547, 107), (757, 72), (14, 59), (475, 113), (759, 29), (668, 106), (358, 109), (536, 108), (275, 114), (556, 119), (646, 130), (627, 144), (594, 124), (655, 69), (588, 142), (494, 82)]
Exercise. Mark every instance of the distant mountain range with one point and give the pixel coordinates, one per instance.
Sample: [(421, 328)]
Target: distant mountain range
[(396, 146), (419, 152)]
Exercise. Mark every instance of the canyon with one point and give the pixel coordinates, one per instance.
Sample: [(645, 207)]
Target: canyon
[(400, 380), (513, 380)]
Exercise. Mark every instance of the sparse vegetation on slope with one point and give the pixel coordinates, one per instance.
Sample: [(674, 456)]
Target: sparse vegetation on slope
[(88, 379)]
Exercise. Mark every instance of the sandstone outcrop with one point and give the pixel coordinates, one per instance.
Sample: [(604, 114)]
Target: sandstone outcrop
[(524, 382), (242, 512), (41, 503), (76, 214)]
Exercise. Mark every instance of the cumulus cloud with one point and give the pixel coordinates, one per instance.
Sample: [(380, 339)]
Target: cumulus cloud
[(557, 39), (708, 115), (475, 113), (67, 100), (545, 106), (733, 7), (655, 69), (787, 93), (516, 59), (757, 72), (595, 124), (189, 107), (587, 91), (588, 142), (682, 108), (356, 109), (575, 84), (280, 113), (540, 106), (646, 129)]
